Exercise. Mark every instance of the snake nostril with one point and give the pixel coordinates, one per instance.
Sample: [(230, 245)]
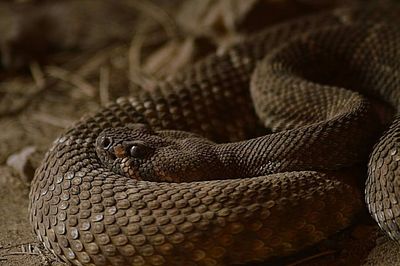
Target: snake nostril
[(106, 142)]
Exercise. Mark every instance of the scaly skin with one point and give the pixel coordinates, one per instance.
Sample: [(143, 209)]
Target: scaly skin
[(94, 202)]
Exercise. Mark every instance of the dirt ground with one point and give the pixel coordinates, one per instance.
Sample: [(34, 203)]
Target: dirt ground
[(42, 93)]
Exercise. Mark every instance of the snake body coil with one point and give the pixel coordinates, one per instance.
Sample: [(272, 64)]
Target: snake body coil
[(252, 198)]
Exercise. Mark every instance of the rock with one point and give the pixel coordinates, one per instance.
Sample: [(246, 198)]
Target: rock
[(22, 164)]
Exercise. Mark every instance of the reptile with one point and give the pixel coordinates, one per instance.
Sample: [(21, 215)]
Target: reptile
[(240, 158)]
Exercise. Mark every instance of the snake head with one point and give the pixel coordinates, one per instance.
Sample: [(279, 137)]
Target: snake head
[(125, 150), (138, 152)]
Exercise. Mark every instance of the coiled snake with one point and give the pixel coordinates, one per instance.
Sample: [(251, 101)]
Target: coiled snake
[(117, 189)]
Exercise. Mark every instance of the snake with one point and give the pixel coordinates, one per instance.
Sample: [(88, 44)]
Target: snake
[(242, 157)]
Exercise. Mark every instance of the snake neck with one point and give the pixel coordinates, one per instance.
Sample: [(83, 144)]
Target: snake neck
[(249, 158)]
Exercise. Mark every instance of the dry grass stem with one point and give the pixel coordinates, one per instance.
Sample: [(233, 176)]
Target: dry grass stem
[(37, 75), (52, 120), (313, 257), (72, 78), (134, 55), (158, 14), (104, 85), (93, 64)]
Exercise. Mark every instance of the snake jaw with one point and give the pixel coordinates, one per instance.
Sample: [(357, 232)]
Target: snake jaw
[(131, 173), (128, 168)]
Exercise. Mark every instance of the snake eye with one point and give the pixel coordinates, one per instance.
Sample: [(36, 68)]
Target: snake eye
[(106, 142), (139, 150)]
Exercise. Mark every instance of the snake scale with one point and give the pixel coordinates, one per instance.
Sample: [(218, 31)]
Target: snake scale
[(130, 185)]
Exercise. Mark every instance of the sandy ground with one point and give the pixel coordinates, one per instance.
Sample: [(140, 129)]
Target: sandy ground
[(18, 245), (40, 102), (386, 253)]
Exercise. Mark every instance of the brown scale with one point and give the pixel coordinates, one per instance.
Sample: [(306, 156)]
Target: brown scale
[(263, 196)]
